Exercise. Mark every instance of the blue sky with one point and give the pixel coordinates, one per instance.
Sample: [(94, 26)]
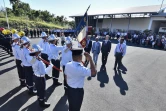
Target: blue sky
[(72, 7)]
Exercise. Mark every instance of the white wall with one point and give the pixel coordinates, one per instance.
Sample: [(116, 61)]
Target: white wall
[(122, 23)]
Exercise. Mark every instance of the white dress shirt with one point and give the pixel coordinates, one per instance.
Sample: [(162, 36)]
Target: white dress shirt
[(120, 48), (54, 51), (76, 74), (39, 68), (16, 51), (45, 46), (66, 56), (25, 57)]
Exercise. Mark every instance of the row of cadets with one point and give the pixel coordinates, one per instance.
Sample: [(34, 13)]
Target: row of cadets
[(17, 57), (55, 58), (40, 70), (27, 66), (46, 49), (66, 57)]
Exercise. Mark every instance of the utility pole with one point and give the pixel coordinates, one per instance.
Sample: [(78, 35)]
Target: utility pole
[(6, 15)]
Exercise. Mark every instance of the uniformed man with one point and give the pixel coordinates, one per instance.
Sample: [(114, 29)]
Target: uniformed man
[(39, 70), (66, 57), (46, 49), (38, 32), (55, 58), (34, 32), (17, 57), (62, 39), (75, 74), (27, 66), (31, 32), (119, 53), (45, 46)]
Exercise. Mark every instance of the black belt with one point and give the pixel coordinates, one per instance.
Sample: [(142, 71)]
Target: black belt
[(75, 88)]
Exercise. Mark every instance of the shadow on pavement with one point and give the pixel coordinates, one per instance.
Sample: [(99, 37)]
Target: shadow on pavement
[(61, 105), (4, 58), (16, 103), (35, 106), (8, 95), (3, 63), (7, 69), (102, 76), (1, 55), (123, 68), (120, 82)]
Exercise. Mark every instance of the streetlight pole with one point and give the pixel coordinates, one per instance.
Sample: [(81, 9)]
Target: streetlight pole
[(6, 15)]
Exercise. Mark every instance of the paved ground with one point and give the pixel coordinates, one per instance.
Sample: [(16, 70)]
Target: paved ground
[(142, 87)]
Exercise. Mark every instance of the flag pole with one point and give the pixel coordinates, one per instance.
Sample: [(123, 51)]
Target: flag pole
[(6, 15)]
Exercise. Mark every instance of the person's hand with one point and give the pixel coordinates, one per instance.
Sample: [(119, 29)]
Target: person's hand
[(87, 55)]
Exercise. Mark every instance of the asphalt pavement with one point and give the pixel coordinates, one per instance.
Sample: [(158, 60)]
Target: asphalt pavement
[(140, 86)]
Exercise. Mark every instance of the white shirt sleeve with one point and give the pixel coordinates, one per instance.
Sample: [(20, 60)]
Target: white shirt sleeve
[(85, 71), (60, 48), (40, 44), (124, 50)]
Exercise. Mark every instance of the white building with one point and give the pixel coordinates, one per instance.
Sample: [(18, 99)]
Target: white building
[(134, 18)]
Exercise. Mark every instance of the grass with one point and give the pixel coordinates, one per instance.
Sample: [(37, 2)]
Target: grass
[(17, 22)]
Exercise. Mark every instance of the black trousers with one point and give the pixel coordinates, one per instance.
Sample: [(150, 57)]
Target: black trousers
[(75, 98), (40, 84), (118, 60), (55, 73), (29, 77), (64, 81), (62, 43), (21, 73), (45, 57), (104, 58), (86, 61)]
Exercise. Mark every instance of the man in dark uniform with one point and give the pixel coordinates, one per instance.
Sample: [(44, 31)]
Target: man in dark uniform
[(34, 32), (38, 32), (88, 48), (105, 49), (75, 74), (31, 32)]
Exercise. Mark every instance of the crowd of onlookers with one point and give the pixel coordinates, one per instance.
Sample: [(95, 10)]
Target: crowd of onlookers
[(142, 39)]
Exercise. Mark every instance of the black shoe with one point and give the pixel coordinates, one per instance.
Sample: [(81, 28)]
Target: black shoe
[(44, 104), (114, 68), (22, 84), (47, 77), (33, 93), (57, 83), (89, 78)]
